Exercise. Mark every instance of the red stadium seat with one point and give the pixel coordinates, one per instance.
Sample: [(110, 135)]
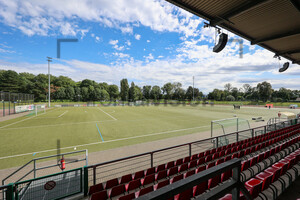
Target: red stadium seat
[(208, 158), (210, 165), (95, 188), (126, 178), (111, 183), (255, 186), (266, 178), (144, 191), (99, 195), (170, 165), (189, 173), (161, 175), (179, 162), (275, 173), (192, 164), (200, 169), (150, 171), (176, 178), (172, 171), (201, 161), (148, 179), (117, 190), (186, 159), (194, 157), (132, 185), (282, 166), (183, 167), (138, 175), (199, 189), (160, 168), (220, 161), (161, 184), (184, 195), (213, 182)]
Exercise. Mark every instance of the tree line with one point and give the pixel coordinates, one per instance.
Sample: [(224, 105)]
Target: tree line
[(262, 92), (63, 88)]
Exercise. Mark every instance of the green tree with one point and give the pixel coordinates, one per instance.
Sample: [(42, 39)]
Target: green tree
[(146, 91), (60, 93), (124, 89), (113, 91), (264, 90), (189, 93), (70, 92), (104, 96), (155, 92), (132, 94), (11, 81), (230, 98), (167, 90), (84, 93)]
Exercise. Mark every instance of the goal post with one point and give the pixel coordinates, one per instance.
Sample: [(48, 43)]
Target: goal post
[(228, 125), (39, 109)]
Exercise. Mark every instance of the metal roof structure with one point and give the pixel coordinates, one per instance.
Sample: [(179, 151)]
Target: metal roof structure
[(271, 24)]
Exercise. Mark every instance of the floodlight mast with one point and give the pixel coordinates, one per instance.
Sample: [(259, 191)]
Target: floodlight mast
[(49, 59)]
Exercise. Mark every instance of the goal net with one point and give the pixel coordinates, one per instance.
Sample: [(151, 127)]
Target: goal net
[(37, 109), (230, 125)]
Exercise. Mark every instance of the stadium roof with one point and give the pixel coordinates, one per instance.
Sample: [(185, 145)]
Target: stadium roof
[(271, 24)]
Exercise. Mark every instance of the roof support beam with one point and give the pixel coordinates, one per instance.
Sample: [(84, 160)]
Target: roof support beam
[(289, 52), (275, 37), (237, 11)]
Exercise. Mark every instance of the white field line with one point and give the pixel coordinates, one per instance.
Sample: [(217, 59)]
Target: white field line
[(63, 114), (108, 141), (107, 114), (22, 120), (51, 125)]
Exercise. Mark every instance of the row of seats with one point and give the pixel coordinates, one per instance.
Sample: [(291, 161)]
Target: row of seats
[(267, 177), (181, 168)]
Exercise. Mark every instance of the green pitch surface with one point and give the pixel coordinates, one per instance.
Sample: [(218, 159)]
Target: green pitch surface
[(34, 136)]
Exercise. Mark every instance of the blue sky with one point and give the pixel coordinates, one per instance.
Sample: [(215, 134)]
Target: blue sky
[(150, 42)]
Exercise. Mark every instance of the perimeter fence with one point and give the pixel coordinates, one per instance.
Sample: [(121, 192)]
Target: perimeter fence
[(10, 100)]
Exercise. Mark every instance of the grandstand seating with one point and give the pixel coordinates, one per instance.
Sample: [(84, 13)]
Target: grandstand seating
[(270, 162)]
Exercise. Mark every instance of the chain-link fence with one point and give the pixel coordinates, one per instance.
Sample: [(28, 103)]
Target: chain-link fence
[(9, 101)]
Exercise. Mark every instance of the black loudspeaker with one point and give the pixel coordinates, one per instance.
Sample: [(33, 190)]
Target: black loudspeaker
[(221, 44), (285, 67)]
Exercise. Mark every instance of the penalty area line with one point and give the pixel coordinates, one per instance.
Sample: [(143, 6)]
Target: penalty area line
[(108, 141), (108, 114), (62, 114)]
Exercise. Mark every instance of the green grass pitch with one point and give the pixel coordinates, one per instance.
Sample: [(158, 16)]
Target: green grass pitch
[(119, 126)]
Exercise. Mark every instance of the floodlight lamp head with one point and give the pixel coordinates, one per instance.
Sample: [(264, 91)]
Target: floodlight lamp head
[(221, 43), (284, 67)]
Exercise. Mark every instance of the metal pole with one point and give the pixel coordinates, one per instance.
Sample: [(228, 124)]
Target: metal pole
[(86, 157), (34, 168), (49, 60)]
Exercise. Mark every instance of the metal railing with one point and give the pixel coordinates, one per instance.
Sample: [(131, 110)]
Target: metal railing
[(30, 169), (102, 172), (54, 186), (233, 185), (6, 192)]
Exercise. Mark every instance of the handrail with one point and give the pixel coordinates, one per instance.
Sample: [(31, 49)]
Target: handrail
[(172, 147)]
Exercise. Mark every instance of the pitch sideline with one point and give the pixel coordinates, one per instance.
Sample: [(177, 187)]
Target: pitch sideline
[(108, 141)]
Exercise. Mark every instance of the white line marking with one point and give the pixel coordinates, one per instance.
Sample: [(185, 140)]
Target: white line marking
[(51, 125), (107, 114), (22, 120), (63, 114), (108, 141)]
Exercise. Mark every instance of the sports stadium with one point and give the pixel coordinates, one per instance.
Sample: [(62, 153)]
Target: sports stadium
[(74, 134)]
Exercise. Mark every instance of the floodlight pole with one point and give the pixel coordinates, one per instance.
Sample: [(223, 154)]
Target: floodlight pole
[(49, 59)]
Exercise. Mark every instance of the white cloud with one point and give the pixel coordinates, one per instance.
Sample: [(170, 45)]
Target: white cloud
[(113, 42), (97, 39), (137, 36), (128, 43), (148, 41), (56, 16)]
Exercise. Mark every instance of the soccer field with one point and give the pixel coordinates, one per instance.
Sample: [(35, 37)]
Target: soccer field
[(99, 128)]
